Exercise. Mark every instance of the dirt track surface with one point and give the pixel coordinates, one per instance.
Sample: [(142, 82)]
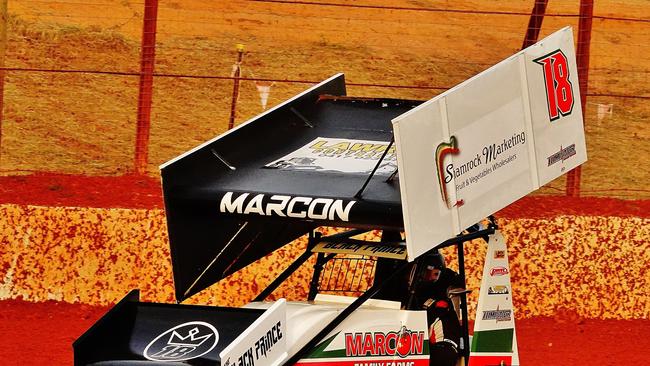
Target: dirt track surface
[(43, 333), (85, 122)]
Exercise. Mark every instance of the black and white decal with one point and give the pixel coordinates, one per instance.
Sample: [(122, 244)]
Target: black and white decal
[(300, 207), (183, 342)]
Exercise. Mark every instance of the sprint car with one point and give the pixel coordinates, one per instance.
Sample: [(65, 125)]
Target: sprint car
[(437, 170)]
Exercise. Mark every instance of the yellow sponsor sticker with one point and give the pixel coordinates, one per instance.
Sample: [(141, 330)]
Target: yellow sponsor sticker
[(393, 251)]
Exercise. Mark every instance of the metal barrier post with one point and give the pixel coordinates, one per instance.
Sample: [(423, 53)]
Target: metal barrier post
[(582, 56), (535, 23), (147, 57), (235, 88)]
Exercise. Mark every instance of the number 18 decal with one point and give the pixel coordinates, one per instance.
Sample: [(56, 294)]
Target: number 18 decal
[(559, 92)]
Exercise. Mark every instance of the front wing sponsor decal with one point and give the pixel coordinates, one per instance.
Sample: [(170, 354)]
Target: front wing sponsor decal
[(183, 342), (374, 250)]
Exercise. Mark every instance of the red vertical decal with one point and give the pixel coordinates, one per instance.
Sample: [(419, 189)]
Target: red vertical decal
[(147, 57)]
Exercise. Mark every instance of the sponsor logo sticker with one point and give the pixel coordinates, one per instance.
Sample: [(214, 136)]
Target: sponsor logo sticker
[(498, 315), (470, 171), (443, 149), (396, 251), (261, 349), (498, 271), (340, 155), (183, 342), (498, 290), (401, 343), (562, 155)]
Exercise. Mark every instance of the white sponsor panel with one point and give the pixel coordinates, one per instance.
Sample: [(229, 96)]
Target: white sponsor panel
[(494, 311), (340, 155), (489, 141), (263, 343)]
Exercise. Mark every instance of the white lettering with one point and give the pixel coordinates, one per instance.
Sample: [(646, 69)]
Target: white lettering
[(277, 208), (326, 202), (255, 205), (338, 210), (287, 206), (292, 203), (227, 205)]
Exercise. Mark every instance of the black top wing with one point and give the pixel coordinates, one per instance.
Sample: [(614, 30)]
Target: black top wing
[(274, 178)]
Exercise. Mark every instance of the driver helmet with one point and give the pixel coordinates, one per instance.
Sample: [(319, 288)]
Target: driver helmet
[(435, 260), (434, 263)]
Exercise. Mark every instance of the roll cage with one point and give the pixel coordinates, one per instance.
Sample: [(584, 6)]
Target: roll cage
[(352, 268)]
